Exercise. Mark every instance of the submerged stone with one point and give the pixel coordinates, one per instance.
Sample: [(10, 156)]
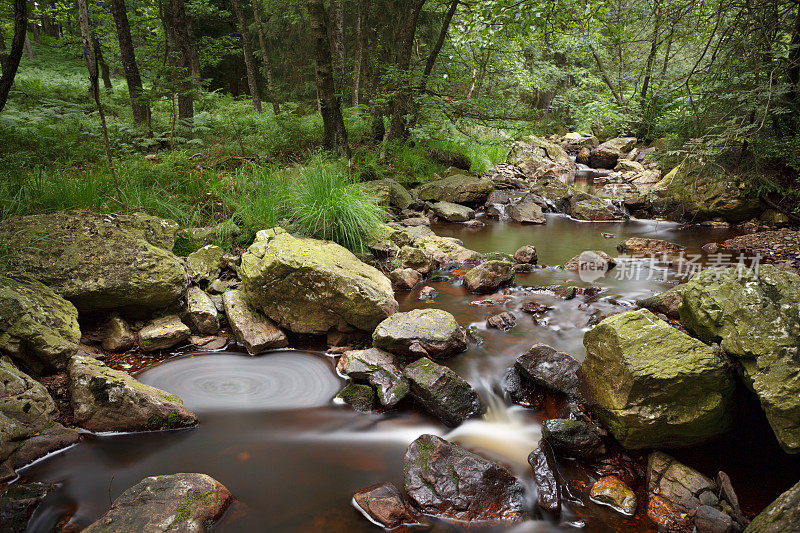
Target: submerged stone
[(652, 385), (442, 392), (447, 481), (421, 333), (311, 286), (177, 502)]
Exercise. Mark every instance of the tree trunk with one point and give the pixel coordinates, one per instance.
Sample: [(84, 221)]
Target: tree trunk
[(180, 32), (91, 65), (438, 46), (605, 76), (359, 59), (11, 62), (334, 133), (141, 110), (104, 72), (247, 48), (337, 42), (794, 71), (262, 41), (28, 47), (400, 104)]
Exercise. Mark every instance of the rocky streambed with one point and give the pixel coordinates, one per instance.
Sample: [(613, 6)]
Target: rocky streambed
[(512, 350)]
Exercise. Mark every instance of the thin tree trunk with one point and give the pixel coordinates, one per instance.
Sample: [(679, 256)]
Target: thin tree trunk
[(11, 62), (104, 72), (91, 65), (359, 55), (180, 32), (794, 70), (334, 132), (400, 104), (604, 74), (438, 46), (337, 41), (247, 48), (262, 41), (28, 47), (141, 110)]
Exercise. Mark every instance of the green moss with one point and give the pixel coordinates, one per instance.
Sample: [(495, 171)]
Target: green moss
[(99, 388)]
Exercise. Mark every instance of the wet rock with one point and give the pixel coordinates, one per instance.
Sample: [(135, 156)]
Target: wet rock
[(544, 474), (252, 328), (388, 192), (442, 392), (163, 333), (708, 519), (458, 187), (104, 399), (607, 154), (528, 210), (177, 502), (381, 369), (573, 438), (360, 397), (428, 293), (447, 481), (591, 264), (421, 333), (38, 328), (201, 313), (502, 321), (666, 302), (535, 308), (781, 516), (585, 206), (311, 286), (100, 261), (117, 334), (652, 385), (526, 254), (205, 264), (404, 279), (18, 503), (644, 246), (613, 492), (674, 490), (584, 156), (384, 504), (489, 277), (418, 259), (754, 317), (546, 367), (452, 212)]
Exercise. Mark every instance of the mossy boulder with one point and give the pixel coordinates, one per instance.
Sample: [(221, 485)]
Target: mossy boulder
[(358, 396), (380, 368), (458, 187), (653, 385), (38, 328), (447, 481), (755, 316), (537, 157), (206, 263), (442, 392), (104, 399), (489, 276), (585, 206), (99, 261), (781, 516), (176, 502), (452, 212), (257, 332), (421, 333), (388, 192), (163, 333), (311, 286), (667, 302)]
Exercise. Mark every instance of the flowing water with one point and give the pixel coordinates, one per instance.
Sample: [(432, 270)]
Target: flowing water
[(271, 433)]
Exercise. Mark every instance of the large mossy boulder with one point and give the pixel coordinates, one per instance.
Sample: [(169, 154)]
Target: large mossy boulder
[(447, 481), (38, 328), (537, 157), (176, 502), (652, 385), (104, 399), (459, 187), (755, 316), (421, 333), (99, 261), (585, 206), (310, 286), (388, 192), (781, 516)]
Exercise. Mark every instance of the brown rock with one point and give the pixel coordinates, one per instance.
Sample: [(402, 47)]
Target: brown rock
[(502, 321), (384, 504), (526, 254), (613, 492)]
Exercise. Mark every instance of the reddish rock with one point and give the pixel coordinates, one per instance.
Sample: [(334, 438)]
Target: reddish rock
[(383, 504), (502, 321), (526, 254)]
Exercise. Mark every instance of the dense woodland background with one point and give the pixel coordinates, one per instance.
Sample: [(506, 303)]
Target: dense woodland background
[(202, 109)]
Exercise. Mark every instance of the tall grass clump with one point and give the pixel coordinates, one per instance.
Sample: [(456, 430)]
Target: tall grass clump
[(325, 202)]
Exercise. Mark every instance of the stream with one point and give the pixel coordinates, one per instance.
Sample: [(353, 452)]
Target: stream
[(270, 432)]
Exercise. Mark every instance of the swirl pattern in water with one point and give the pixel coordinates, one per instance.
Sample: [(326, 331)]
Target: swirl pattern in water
[(222, 382)]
